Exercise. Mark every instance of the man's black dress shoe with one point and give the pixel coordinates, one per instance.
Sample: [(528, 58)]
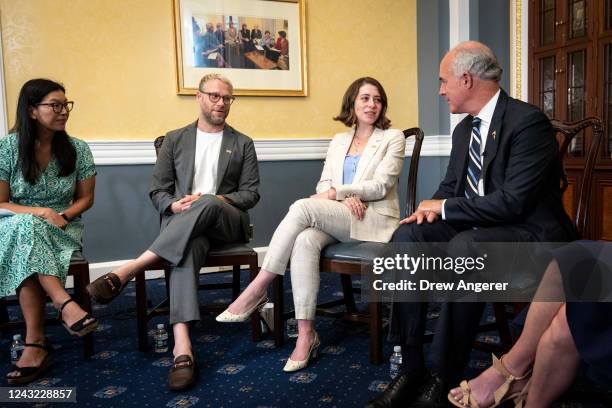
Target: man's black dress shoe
[(401, 391), (433, 394)]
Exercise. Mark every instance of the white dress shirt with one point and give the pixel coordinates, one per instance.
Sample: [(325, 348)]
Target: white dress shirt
[(208, 146), (486, 116)]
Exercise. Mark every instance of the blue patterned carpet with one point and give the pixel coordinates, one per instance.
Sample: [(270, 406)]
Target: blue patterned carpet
[(234, 371)]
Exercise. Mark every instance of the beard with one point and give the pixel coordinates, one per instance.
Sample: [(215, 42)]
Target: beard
[(215, 121)]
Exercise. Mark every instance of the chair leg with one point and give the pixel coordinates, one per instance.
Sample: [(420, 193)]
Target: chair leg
[(4, 316), (255, 323), (141, 311), (503, 327), (279, 311), (375, 332), (347, 288), (81, 280), (236, 282)]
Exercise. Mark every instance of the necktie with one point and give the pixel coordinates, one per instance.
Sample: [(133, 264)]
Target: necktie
[(474, 164)]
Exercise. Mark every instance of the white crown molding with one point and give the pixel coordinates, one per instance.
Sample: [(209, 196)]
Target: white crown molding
[(110, 153)]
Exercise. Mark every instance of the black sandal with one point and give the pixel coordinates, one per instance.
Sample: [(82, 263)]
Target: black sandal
[(79, 328), (29, 374), (105, 288)]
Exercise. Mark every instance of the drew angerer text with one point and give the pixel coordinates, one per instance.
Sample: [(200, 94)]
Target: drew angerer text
[(425, 285)]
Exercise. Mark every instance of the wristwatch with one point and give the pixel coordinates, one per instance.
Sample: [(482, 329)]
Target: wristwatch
[(64, 216)]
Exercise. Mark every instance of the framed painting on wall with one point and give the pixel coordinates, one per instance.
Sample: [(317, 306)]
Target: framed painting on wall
[(260, 45)]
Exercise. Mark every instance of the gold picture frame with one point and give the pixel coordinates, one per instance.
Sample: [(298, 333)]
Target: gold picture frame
[(260, 45)]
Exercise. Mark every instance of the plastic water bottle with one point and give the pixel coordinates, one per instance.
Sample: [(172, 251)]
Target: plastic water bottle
[(396, 362), (161, 339), (292, 328), (17, 346)]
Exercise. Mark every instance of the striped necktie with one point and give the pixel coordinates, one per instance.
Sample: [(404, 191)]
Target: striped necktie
[(474, 163)]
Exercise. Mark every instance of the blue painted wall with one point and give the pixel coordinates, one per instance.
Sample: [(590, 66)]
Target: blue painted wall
[(122, 222)]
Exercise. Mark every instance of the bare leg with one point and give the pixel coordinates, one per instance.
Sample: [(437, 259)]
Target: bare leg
[(182, 342), (253, 293), (128, 270), (522, 354), (555, 365), (53, 287), (304, 341), (32, 303)]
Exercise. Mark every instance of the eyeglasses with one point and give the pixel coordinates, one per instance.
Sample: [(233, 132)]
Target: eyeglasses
[(214, 97), (59, 107)]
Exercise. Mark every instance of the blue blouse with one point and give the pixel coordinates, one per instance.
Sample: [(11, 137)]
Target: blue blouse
[(350, 168)]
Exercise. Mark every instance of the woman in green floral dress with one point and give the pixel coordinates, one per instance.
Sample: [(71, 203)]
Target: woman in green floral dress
[(47, 181)]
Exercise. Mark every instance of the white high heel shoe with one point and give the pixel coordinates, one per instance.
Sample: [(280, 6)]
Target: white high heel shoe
[(293, 365), (229, 317)]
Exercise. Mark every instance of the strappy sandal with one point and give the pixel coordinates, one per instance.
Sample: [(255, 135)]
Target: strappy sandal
[(80, 328), (29, 374), (105, 288), (500, 394), (183, 373)]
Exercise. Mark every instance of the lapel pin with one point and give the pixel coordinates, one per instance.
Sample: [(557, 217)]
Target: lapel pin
[(494, 134), (228, 151)]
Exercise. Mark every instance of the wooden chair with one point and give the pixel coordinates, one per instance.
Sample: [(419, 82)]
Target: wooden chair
[(565, 133), (79, 270), (233, 255), (347, 259)]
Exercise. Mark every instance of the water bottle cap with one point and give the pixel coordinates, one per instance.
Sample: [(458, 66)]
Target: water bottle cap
[(17, 337), (397, 349), (160, 326)]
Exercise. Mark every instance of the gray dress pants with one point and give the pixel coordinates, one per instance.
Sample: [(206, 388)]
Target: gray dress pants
[(185, 242)]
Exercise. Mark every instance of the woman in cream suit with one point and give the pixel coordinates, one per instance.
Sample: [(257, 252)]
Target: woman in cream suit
[(356, 199)]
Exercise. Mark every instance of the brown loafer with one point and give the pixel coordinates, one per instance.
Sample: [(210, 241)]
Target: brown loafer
[(105, 288), (182, 374)]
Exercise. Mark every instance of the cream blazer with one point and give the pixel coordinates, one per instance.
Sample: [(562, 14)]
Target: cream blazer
[(375, 181)]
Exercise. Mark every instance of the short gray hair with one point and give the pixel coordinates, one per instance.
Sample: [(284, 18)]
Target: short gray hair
[(214, 76), (477, 59)]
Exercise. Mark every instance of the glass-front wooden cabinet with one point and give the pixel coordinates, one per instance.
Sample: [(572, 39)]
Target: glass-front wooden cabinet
[(570, 78)]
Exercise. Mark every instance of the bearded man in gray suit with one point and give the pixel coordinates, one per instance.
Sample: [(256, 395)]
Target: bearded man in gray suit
[(205, 179)]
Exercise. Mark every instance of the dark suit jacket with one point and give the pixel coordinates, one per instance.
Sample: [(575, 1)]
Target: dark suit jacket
[(521, 173), (237, 174)]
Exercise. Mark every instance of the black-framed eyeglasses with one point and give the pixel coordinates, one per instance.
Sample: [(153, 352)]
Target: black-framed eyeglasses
[(59, 107), (214, 97)]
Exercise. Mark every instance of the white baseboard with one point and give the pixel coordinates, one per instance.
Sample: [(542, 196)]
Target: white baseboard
[(98, 269)]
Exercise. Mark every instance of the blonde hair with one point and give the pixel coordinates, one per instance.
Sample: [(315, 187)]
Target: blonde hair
[(214, 76)]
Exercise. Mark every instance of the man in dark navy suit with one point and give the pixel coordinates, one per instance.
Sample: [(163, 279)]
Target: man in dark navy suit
[(501, 185)]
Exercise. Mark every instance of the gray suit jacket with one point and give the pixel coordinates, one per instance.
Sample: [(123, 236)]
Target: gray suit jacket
[(237, 175)]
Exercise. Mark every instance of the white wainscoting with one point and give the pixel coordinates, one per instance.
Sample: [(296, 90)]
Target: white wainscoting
[(113, 153)]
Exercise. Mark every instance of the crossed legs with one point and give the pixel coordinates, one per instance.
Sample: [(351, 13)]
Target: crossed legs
[(546, 343), (184, 242), (308, 227), (31, 294)]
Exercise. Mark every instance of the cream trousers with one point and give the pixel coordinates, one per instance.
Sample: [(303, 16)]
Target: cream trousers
[(309, 226)]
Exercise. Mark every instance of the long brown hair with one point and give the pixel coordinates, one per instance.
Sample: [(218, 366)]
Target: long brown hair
[(347, 111), (31, 94)]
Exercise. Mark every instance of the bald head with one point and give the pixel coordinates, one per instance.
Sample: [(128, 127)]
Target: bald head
[(469, 77), (475, 58)]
